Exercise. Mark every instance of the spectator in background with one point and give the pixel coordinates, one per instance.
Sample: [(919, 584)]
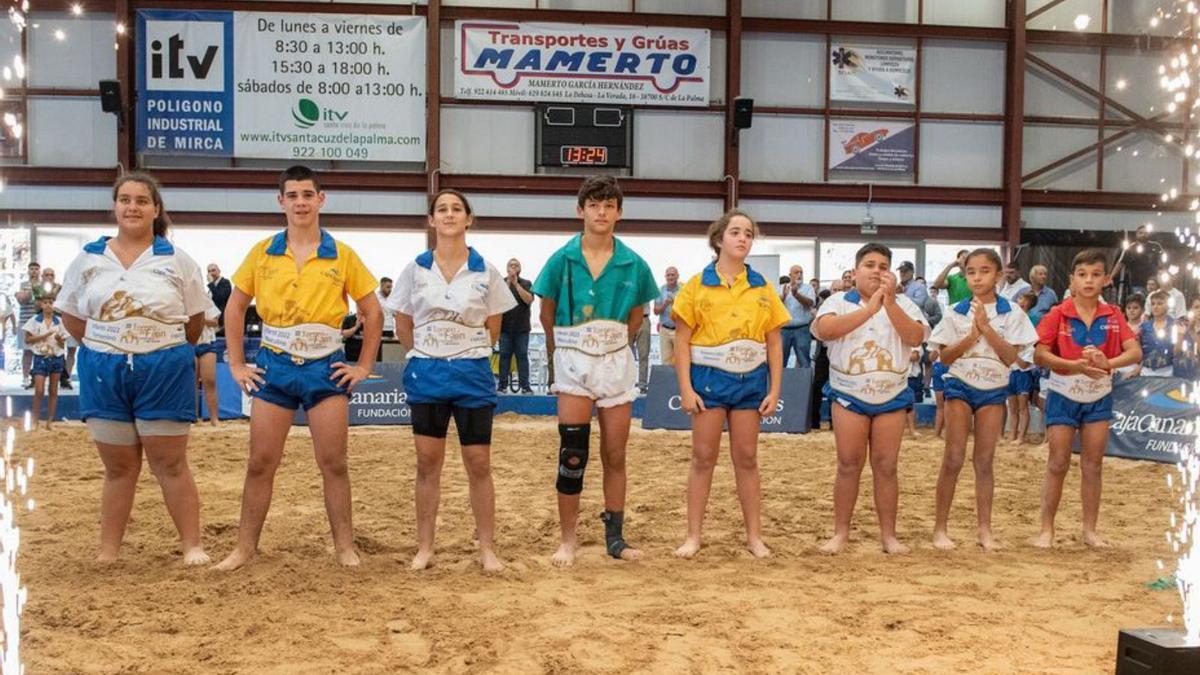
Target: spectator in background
[(219, 290), (666, 325), (389, 319), (800, 301), (50, 286), (1139, 261), (1013, 286), (847, 280), (1151, 284), (641, 349), (7, 317), (914, 289), (955, 284), (352, 327), (1047, 298), (1176, 303), (514, 330), (27, 298), (816, 286)]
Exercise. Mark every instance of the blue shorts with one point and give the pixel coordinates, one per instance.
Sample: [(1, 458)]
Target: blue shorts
[(48, 365), (1022, 382), (466, 383), (160, 385), (291, 385), (732, 391), (937, 381), (206, 348), (957, 390), (903, 401), (1062, 410)]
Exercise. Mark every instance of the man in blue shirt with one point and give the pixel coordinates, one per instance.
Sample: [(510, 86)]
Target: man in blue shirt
[(800, 300), (1047, 298), (666, 326)]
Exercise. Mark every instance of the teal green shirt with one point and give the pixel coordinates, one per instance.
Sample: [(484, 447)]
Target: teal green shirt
[(625, 283)]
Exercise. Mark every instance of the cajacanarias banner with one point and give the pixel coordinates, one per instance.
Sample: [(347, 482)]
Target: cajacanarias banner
[(1153, 418), (625, 65), (277, 85)]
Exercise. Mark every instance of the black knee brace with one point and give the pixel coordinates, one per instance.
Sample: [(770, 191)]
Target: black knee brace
[(572, 457)]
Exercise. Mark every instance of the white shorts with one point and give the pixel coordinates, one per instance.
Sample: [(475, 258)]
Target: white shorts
[(609, 380)]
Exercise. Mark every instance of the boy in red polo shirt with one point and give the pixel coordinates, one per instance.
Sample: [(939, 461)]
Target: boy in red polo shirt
[(1082, 341)]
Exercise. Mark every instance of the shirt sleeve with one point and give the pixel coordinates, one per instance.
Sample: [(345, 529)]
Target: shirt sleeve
[(499, 298), (944, 334), (31, 326), (243, 278), (647, 286), (1047, 328), (72, 287), (780, 316), (195, 291), (359, 280), (684, 308), (1021, 330), (549, 279), (401, 298), (834, 304), (1125, 331)]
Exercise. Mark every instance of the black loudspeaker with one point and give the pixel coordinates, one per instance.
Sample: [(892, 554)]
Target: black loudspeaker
[(110, 96), (743, 112)]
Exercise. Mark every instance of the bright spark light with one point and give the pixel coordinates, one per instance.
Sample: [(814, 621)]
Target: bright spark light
[(60, 35), (77, 9), (1082, 21), (1121, 84)]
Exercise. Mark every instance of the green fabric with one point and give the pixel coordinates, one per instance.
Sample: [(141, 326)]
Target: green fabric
[(957, 288), (625, 283)]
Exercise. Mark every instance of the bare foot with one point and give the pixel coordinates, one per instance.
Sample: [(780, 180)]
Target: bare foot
[(348, 558), (422, 560), (630, 554), (1092, 539), (835, 545), (234, 560), (689, 548), (894, 547), (942, 541), (565, 555), (106, 557), (1044, 540), (758, 549), (987, 543), (490, 562), (196, 556)]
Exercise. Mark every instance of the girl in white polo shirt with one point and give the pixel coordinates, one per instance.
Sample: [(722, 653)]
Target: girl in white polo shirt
[(135, 302), (448, 305)]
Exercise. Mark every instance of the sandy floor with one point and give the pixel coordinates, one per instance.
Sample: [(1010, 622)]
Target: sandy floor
[(295, 611)]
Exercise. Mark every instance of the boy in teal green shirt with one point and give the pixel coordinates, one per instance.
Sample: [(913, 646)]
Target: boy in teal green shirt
[(593, 290)]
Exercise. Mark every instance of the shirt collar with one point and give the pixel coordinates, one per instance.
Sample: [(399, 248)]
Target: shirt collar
[(326, 249), (1002, 306), (1067, 307), (161, 246), (622, 255), (475, 261), (852, 296), (710, 277)]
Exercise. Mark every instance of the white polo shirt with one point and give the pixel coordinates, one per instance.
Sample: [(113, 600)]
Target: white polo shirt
[(37, 327), (869, 363), (980, 367), (209, 334), (163, 284), (476, 292)]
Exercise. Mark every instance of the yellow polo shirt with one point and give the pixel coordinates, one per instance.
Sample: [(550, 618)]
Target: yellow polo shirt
[(718, 313), (317, 294)]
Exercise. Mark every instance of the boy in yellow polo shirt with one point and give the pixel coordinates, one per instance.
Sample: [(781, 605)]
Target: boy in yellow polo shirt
[(301, 278), (729, 361)]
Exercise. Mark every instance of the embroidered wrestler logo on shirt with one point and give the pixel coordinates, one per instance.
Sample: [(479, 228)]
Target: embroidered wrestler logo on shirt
[(120, 306)]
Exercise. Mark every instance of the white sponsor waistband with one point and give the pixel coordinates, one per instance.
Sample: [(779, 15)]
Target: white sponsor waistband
[(980, 372), (739, 356), (597, 338), (1079, 388), (307, 340), (135, 334), (875, 387), (447, 339)]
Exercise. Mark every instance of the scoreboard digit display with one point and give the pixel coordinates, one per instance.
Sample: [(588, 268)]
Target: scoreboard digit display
[(579, 134)]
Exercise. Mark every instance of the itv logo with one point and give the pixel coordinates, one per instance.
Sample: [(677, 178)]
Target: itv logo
[(185, 55)]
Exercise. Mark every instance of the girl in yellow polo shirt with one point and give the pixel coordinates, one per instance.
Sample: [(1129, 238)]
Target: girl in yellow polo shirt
[(729, 361)]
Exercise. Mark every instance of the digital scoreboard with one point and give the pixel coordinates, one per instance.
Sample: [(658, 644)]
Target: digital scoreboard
[(580, 134)]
